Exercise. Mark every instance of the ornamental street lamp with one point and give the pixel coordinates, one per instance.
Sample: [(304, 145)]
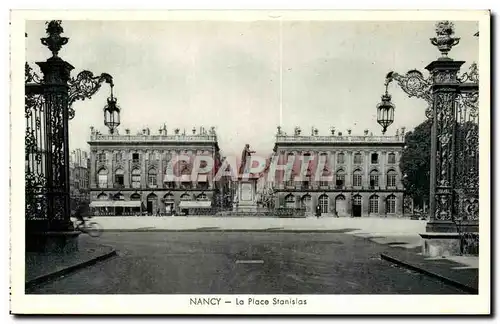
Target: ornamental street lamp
[(453, 109), (385, 110), (48, 109), (112, 113)]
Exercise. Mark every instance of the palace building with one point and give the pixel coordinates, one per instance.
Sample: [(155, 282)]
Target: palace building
[(363, 173), (129, 172)]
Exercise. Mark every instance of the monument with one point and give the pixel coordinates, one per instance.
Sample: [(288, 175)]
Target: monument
[(246, 191)]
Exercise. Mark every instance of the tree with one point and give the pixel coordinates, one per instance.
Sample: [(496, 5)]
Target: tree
[(415, 163)]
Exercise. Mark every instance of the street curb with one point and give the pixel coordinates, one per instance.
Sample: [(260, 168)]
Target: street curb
[(47, 277), (348, 230), (444, 279)]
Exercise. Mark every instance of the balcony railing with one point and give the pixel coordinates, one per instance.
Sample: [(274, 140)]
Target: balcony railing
[(339, 139), (152, 138)]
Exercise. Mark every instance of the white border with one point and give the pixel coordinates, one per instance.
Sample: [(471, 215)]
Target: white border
[(179, 304)]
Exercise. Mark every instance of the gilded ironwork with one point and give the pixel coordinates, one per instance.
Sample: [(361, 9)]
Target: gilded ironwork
[(414, 84), (454, 106), (47, 111), (84, 86), (30, 76)]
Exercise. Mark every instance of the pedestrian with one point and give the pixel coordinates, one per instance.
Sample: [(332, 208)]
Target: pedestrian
[(318, 211)]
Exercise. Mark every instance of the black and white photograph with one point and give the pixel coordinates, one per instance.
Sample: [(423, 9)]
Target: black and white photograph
[(250, 162)]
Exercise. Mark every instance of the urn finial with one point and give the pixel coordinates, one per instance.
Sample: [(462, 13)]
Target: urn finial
[(54, 41), (445, 40)]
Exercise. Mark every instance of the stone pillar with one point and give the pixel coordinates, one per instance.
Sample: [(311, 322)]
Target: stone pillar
[(349, 164), (383, 170), (144, 172), (93, 171), (366, 167), (127, 158), (109, 167)]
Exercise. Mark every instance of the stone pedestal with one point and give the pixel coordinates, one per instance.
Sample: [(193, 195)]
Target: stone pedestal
[(246, 196), (441, 244)]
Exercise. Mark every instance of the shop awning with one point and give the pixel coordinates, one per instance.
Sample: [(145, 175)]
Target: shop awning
[(195, 204), (115, 203), (124, 203)]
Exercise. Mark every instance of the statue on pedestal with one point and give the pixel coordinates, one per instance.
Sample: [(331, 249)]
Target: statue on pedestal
[(245, 159)]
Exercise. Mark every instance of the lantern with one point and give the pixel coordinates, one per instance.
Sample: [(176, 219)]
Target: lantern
[(385, 112), (112, 113)]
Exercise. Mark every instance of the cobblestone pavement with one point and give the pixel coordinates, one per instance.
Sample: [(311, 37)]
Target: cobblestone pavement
[(211, 262)]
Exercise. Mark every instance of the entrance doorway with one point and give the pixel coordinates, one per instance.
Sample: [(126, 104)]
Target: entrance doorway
[(356, 206), (152, 204), (340, 205)]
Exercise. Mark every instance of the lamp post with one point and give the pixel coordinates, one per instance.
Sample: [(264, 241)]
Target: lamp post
[(48, 109), (453, 108)]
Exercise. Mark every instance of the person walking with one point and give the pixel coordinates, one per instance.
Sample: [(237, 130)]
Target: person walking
[(318, 211)]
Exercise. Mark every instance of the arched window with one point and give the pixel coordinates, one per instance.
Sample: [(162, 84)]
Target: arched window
[(119, 196), (201, 197), (391, 204), (306, 203), (324, 174), (340, 179), (391, 178), (374, 179), (102, 196), (185, 197), (374, 204), (119, 178), (136, 178), (357, 178), (135, 196), (168, 197), (152, 178), (290, 201), (323, 203), (358, 158), (391, 158), (102, 178), (340, 158)]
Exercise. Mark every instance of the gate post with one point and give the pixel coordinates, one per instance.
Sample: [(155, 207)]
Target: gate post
[(444, 89), (56, 74)]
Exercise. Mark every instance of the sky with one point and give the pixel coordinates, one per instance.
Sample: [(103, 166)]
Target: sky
[(247, 77)]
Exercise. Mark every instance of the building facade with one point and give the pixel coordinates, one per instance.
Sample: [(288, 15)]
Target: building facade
[(79, 174), (363, 174), (130, 174)]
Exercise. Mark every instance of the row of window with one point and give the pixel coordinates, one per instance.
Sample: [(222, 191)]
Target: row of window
[(357, 179), (167, 197), (152, 180), (340, 203), (101, 157), (358, 158)]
